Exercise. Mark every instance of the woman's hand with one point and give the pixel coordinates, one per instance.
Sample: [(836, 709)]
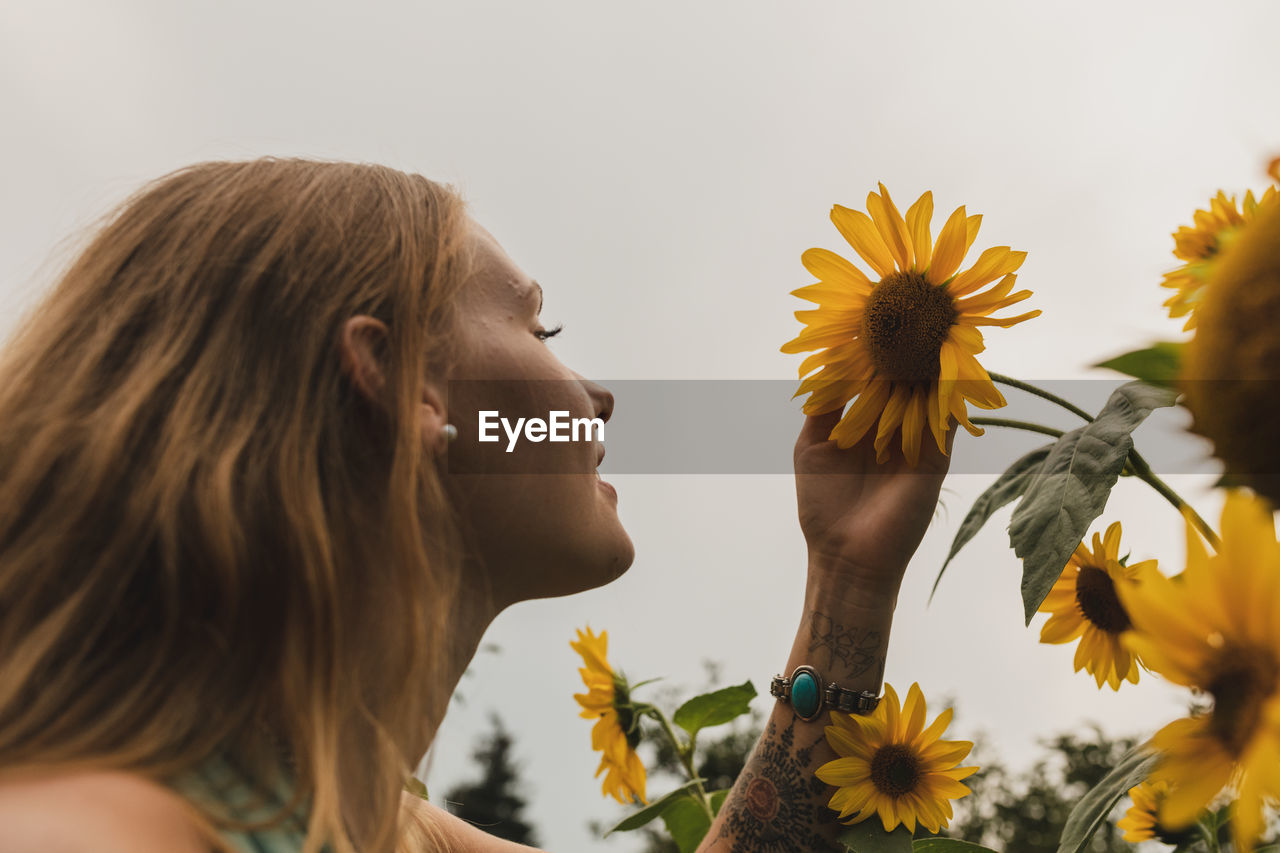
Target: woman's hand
[(864, 521)]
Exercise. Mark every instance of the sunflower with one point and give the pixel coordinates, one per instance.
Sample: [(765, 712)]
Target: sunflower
[(903, 342), (1084, 605), (891, 765), (1142, 821), (1231, 368), (1216, 628), (1198, 246), (616, 731)]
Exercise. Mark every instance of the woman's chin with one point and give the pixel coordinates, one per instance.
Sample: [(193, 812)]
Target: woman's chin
[(603, 565)]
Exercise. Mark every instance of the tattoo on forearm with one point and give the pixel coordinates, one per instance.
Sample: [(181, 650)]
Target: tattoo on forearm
[(777, 805), (858, 649)]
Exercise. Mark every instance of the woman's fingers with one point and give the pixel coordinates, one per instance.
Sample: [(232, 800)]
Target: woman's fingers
[(931, 458), (817, 428)]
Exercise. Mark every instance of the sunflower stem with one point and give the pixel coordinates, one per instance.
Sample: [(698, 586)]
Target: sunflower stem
[(1143, 471), (1210, 836), (1012, 424), (685, 753), (1040, 392)]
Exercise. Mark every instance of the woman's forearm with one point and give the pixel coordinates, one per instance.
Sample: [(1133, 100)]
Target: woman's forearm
[(777, 803)]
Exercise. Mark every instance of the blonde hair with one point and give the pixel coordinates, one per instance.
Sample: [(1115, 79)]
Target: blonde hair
[(210, 542)]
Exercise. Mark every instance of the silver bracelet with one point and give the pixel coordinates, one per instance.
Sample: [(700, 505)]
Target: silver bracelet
[(808, 696)]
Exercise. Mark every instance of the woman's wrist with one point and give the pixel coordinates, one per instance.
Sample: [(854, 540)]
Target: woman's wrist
[(840, 582)]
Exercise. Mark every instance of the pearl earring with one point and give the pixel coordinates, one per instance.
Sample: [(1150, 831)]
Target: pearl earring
[(450, 432)]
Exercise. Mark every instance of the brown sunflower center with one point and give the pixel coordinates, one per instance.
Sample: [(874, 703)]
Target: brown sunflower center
[(1243, 679), (895, 770), (1097, 599), (904, 324)]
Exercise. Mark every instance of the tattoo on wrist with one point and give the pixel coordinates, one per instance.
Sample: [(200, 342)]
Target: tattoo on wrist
[(859, 650), (778, 805)]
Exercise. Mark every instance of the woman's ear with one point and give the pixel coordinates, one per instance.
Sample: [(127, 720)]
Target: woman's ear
[(361, 343), (361, 347), (435, 416)]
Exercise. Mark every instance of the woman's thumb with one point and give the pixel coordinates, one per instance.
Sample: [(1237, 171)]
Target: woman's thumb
[(817, 428)]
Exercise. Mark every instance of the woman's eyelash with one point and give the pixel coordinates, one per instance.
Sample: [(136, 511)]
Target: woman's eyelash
[(543, 334)]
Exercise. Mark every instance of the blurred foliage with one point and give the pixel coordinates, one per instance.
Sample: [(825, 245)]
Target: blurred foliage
[(1026, 811)]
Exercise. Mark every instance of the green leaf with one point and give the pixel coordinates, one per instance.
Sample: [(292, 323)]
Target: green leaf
[(687, 822), (1094, 806), (869, 836), (947, 845), (416, 787), (1072, 486), (714, 708), (654, 809), (1157, 365), (1007, 488), (717, 799)]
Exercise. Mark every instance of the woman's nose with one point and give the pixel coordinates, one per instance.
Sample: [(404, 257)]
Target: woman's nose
[(601, 396)]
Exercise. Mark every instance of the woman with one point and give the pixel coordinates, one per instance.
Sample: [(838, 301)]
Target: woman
[(243, 564)]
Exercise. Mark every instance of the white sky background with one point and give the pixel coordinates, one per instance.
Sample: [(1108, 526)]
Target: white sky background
[(660, 167)]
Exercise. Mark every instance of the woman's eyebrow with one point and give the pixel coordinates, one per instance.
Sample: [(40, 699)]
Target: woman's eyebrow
[(535, 284)]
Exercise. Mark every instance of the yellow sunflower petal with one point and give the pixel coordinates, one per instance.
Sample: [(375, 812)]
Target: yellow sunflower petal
[(892, 228), (891, 418), (1197, 553), (991, 264), (966, 338), (835, 295), (959, 412), (1003, 322), (971, 226), (847, 352), (935, 729), (858, 229), (1247, 526), (1193, 792), (948, 373), (1062, 628), (946, 752), (862, 414), (817, 338), (913, 425), (827, 266), (913, 713), (918, 220), (844, 772), (888, 815), (892, 710), (993, 298), (1111, 541), (938, 424), (949, 250)]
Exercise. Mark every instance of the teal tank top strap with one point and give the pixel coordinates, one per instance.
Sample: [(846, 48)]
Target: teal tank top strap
[(219, 781)]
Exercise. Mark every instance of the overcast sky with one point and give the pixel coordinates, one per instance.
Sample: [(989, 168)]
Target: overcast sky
[(659, 167)]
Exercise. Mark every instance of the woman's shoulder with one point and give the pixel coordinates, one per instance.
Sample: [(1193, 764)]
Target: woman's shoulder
[(99, 811)]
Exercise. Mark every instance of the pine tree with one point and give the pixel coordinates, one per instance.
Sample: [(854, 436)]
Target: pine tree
[(494, 803)]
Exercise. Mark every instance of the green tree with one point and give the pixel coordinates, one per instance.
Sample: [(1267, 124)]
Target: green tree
[(1027, 811), (494, 803)]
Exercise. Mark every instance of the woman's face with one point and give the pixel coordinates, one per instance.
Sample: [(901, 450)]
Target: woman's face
[(544, 523)]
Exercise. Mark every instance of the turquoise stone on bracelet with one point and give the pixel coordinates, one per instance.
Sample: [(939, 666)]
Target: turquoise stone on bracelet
[(804, 694)]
